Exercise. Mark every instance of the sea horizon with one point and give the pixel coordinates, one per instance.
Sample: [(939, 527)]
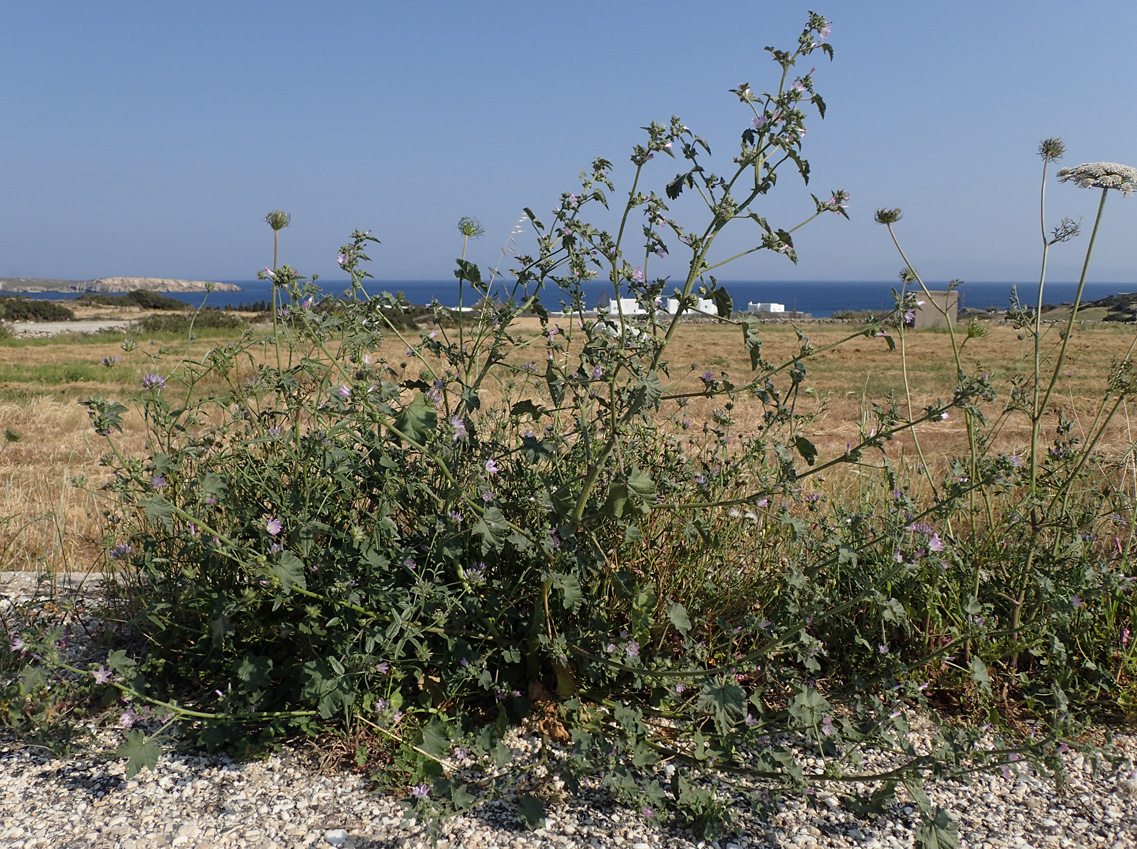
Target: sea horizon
[(819, 298)]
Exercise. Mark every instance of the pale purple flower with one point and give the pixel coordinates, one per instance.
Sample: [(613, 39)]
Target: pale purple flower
[(128, 718), (648, 812), (102, 675), (491, 466), (882, 648), (597, 372), (420, 791), (158, 481), (827, 725), (383, 667), (273, 526), (341, 260), (109, 361), (935, 543), (459, 425), (345, 391), (153, 381), (410, 563), (632, 649), (1124, 637), (638, 275), (1076, 602), (17, 643), (120, 551)]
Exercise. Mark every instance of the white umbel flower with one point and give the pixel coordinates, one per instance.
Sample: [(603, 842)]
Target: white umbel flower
[(1102, 175)]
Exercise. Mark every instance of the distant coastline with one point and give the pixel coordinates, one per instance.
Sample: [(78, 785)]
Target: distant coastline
[(112, 284)]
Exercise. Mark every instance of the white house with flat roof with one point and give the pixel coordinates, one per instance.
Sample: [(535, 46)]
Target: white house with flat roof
[(765, 306)]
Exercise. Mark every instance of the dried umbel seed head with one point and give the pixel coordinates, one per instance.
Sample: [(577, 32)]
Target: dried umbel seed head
[(888, 216), (1102, 175), (1051, 148)]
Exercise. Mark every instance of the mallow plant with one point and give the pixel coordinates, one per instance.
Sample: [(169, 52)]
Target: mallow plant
[(422, 536)]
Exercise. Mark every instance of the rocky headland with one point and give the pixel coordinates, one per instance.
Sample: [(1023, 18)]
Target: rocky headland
[(111, 284)]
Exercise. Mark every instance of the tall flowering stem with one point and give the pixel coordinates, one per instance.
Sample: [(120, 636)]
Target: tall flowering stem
[(1092, 175), (1050, 149)]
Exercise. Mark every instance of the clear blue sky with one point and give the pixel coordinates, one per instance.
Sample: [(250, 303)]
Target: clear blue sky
[(151, 138)]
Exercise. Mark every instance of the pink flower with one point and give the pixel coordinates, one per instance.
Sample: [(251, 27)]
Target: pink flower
[(935, 543), (491, 466), (273, 526)]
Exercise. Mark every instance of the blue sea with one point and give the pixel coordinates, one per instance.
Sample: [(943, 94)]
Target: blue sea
[(819, 298)]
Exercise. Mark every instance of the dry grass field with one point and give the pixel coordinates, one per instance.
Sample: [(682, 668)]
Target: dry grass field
[(50, 475)]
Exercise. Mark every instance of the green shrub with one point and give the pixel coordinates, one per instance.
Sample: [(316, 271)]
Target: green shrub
[(493, 528), (20, 308), (183, 322), (143, 298)]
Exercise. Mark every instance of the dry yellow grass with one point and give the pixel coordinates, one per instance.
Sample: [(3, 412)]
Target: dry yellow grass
[(47, 522)]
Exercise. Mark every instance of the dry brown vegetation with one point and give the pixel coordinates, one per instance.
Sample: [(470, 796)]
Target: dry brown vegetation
[(51, 507)]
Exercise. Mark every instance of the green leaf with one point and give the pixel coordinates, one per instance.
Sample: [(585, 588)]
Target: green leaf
[(468, 271), (417, 420), (753, 342), (556, 383), (643, 610), (470, 398), (806, 449), (140, 751), (529, 213), (214, 486), (492, 528), (938, 832), (569, 586), (725, 700), (526, 408), (289, 570), (436, 738), (724, 304), (980, 676), (640, 483), (646, 394), (677, 613), (531, 811), (255, 670), (158, 509)]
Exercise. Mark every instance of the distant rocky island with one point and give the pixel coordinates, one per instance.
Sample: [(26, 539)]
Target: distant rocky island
[(111, 284)]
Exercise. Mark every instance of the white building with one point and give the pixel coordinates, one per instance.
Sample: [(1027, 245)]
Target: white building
[(765, 306), (703, 305), (625, 307)]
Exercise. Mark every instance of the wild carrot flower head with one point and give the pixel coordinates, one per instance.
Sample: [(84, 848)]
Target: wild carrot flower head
[(1102, 175), (1052, 148)]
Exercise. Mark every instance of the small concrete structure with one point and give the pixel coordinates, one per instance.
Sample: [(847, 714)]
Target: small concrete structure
[(625, 307), (765, 306), (703, 305), (928, 317)]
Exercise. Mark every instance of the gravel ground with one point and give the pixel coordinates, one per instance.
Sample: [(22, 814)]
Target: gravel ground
[(290, 799), (54, 328)]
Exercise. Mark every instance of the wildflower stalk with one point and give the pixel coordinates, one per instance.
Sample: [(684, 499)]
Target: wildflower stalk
[(1077, 303)]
